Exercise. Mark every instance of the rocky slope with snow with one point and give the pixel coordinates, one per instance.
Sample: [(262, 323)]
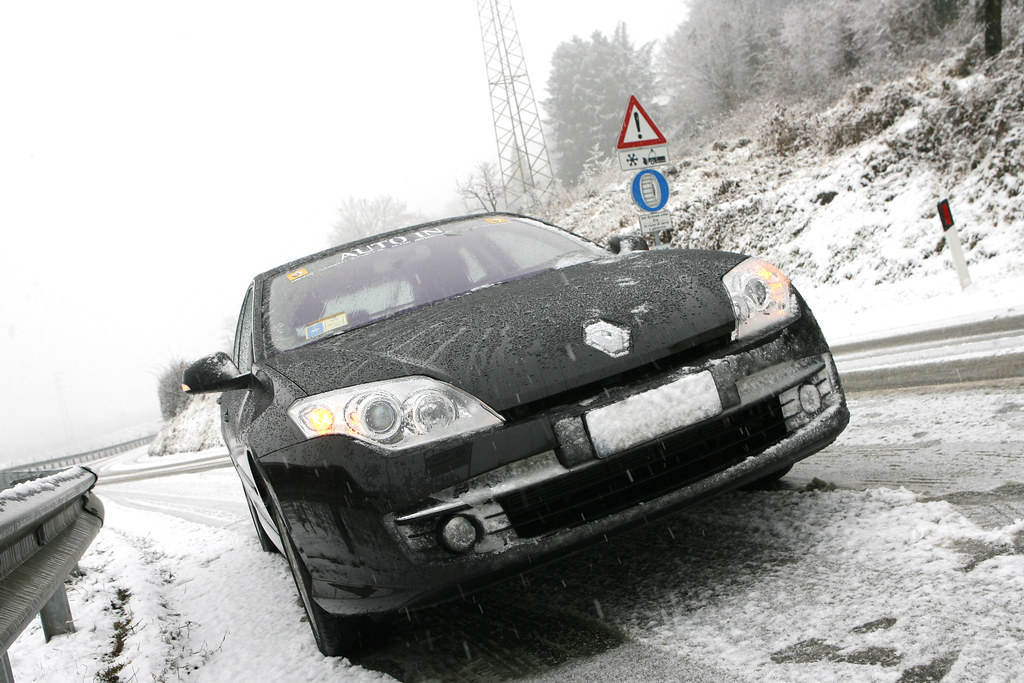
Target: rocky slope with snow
[(195, 428), (849, 195)]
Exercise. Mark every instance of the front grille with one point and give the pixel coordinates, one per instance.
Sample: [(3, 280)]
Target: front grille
[(694, 350), (645, 472)]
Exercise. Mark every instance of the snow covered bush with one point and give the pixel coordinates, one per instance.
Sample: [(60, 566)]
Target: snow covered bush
[(782, 134), (196, 428), (864, 113), (168, 388)]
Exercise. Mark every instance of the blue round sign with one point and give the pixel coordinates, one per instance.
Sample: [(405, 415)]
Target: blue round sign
[(650, 190)]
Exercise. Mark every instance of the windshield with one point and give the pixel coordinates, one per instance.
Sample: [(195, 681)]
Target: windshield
[(374, 280)]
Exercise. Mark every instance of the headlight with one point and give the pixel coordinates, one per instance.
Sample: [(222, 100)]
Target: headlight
[(762, 298), (394, 414)]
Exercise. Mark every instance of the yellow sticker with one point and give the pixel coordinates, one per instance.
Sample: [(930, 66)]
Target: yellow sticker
[(497, 220), (296, 274), (335, 321), (326, 324)]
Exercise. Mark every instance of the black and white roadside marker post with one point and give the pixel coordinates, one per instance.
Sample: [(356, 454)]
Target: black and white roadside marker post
[(642, 146), (953, 240)]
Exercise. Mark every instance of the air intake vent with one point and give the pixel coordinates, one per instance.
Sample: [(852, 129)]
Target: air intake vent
[(645, 472)]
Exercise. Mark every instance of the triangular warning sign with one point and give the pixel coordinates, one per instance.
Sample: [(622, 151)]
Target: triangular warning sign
[(637, 128)]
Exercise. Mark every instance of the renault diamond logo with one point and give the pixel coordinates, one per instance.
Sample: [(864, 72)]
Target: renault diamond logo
[(604, 336)]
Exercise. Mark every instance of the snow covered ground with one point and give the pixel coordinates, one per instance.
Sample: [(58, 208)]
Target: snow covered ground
[(192, 601), (851, 584), (787, 585), (790, 586)]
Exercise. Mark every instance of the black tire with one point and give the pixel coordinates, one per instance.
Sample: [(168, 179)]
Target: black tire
[(335, 635), (265, 543)]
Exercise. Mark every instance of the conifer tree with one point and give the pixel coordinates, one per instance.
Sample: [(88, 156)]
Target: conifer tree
[(590, 84)]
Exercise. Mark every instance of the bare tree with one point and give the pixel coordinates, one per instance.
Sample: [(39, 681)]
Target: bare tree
[(482, 190), (361, 217), (716, 59), (731, 52)]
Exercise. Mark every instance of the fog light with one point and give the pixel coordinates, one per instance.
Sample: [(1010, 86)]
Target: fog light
[(810, 399), (459, 534)]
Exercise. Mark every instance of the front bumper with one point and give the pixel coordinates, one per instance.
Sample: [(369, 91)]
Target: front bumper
[(370, 533)]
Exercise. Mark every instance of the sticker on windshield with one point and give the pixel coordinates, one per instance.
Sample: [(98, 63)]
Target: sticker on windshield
[(497, 220), (326, 325), (391, 243), (296, 274)]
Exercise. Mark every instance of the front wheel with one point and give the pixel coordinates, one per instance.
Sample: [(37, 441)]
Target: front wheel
[(335, 635)]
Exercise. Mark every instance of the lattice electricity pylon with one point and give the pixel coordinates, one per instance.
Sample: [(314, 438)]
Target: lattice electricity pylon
[(525, 167)]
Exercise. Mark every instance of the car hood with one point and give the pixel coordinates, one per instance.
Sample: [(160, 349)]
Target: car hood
[(520, 341)]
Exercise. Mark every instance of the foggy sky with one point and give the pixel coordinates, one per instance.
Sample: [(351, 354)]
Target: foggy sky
[(154, 157)]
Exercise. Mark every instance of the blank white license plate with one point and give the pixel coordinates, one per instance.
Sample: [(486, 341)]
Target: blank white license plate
[(650, 414)]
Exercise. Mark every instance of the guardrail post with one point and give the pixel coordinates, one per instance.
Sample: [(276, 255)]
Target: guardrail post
[(6, 675), (56, 615)]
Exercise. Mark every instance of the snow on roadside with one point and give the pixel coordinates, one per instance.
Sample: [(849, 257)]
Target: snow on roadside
[(198, 603), (778, 585), (824, 583), (856, 313), (781, 585)]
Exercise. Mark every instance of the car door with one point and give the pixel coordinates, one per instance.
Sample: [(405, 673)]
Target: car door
[(232, 403)]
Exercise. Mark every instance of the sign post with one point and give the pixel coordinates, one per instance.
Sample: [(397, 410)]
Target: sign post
[(641, 147), (953, 240)]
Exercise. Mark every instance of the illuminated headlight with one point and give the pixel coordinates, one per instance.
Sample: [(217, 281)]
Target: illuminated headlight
[(394, 414), (762, 298)]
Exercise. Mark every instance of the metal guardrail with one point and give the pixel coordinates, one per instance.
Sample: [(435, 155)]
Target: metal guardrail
[(45, 527), (29, 471)]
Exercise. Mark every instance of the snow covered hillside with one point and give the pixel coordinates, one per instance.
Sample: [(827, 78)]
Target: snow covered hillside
[(845, 200)]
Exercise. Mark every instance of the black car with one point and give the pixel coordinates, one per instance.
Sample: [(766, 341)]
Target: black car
[(423, 412)]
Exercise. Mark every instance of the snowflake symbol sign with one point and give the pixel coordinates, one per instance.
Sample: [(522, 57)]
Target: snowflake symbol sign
[(631, 159)]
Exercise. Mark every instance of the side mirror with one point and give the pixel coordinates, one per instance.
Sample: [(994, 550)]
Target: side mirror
[(216, 372), (621, 244)]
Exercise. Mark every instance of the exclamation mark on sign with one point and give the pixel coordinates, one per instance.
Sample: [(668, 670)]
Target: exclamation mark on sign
[(636, 118)]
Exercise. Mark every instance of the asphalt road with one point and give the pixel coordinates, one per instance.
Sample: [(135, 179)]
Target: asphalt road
[(987, 351)]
